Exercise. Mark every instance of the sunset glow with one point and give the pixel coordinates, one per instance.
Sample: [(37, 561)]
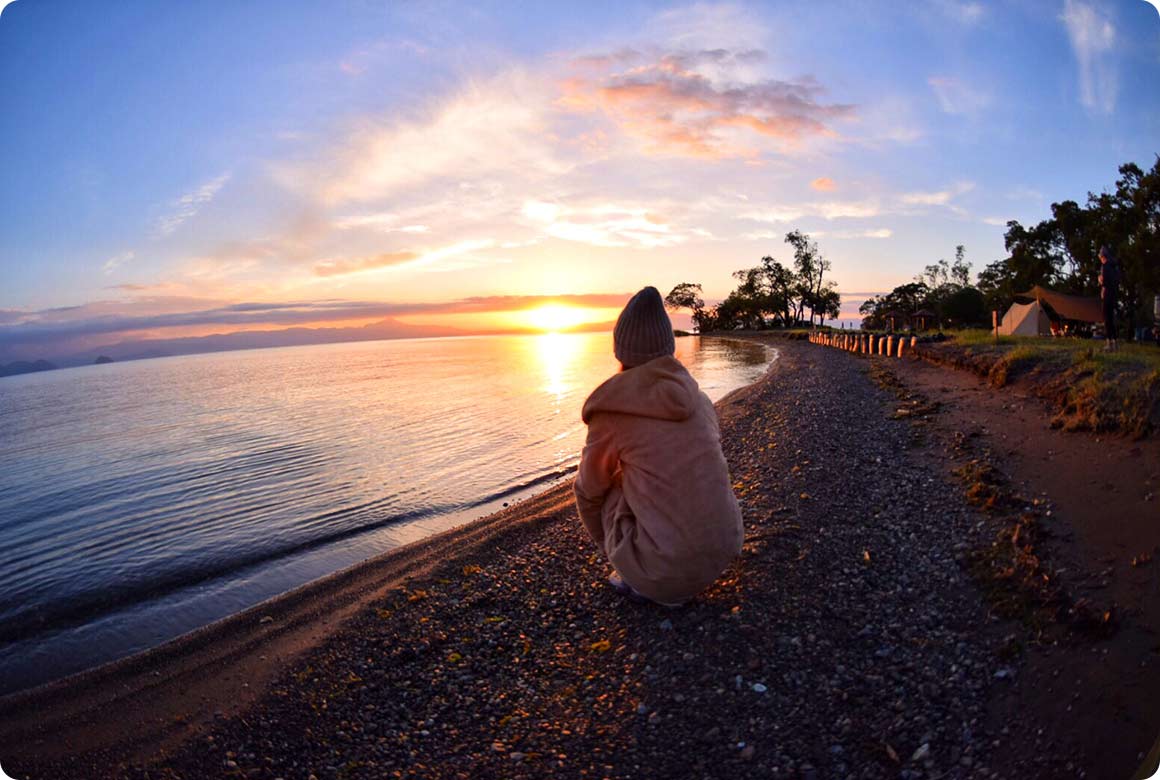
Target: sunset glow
[(437, 170), (553, 317)]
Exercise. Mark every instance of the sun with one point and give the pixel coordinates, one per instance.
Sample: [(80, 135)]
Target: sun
[(553, 317)]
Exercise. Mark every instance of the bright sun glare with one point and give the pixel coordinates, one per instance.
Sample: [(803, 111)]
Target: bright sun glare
[(554, 317)]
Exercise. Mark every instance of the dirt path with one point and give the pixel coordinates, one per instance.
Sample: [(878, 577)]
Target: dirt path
[(848, 640), (1100, 503)]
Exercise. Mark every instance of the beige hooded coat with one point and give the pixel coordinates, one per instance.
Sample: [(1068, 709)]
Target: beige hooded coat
[(653, 489)]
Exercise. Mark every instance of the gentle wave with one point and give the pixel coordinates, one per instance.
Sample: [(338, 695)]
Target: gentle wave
[(134, 490)]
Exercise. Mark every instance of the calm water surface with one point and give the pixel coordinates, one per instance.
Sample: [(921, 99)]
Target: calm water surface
[(142, 500)]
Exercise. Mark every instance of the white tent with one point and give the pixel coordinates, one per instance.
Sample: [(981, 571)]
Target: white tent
[(1025, 319)]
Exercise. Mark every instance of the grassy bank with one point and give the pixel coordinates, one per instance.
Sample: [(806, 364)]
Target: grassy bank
[(1090, 389)]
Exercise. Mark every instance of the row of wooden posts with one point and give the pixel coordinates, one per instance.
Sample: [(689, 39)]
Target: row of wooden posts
[(866, 343)]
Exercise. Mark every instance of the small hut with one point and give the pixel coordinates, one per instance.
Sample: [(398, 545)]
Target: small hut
[(895, 319), (922, 319)]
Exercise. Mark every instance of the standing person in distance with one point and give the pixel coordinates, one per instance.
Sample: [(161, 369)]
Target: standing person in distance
[(1109, 295)]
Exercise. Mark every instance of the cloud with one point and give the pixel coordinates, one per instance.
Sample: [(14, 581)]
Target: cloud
[(385, 260), (1025, 193), (825, 210), (488, 129), (939, 197), (384, 222), (706, 25), (609, 225), (958, 98), (674, 108), (187, 206), (398, 260), (1092, 37), (996, 221), (967, 14), (852, 234), (116, 261), (868, 208), (824, 184)]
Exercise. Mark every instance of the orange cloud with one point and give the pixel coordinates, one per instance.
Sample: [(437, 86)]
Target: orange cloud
[(824, 184), (385, 260), (679, 110)]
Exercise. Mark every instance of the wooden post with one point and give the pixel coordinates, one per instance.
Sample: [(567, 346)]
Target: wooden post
[(889, 345), (901, 346)]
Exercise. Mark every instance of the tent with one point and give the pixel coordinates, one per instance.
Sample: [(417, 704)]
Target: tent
[(1025, 319), (1065, 307)]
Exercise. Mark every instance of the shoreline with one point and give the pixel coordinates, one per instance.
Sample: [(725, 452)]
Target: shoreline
[(169, 693), (168, 686), (51, 636)]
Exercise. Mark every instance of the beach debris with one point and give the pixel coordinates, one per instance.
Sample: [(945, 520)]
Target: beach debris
[(922, 752), (600, 646), (892, 753), (654, 718), (470, 569), (759, 688), (642, 709), (666, 625), (516, 755), (266, 619), (804, 496), (1006, 673)]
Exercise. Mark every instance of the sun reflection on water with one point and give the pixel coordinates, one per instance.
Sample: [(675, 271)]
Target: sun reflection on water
[(558, 354)]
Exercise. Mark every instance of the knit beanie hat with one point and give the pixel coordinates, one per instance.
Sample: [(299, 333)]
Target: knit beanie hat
[(643, 331)]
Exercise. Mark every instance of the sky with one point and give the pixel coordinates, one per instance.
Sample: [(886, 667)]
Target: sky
[(179, 169)]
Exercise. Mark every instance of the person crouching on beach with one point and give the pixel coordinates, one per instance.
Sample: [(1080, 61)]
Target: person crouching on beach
[(653, 489)]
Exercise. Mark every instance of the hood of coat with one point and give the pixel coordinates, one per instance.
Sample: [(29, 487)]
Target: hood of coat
[(661, 389)]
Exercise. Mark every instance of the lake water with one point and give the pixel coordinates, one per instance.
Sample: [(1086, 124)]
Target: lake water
[(141, 500)]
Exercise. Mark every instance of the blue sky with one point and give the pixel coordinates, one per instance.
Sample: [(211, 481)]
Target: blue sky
[(173, 158)]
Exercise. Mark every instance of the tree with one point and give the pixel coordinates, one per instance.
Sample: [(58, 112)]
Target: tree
[(688, 296), (964, 307), (906, 298), (1063, 251), (811, 269), (769, 293), (961, 270)]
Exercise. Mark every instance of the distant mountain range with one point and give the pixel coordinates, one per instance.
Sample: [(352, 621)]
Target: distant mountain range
[(25, 367), (252, 339)]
